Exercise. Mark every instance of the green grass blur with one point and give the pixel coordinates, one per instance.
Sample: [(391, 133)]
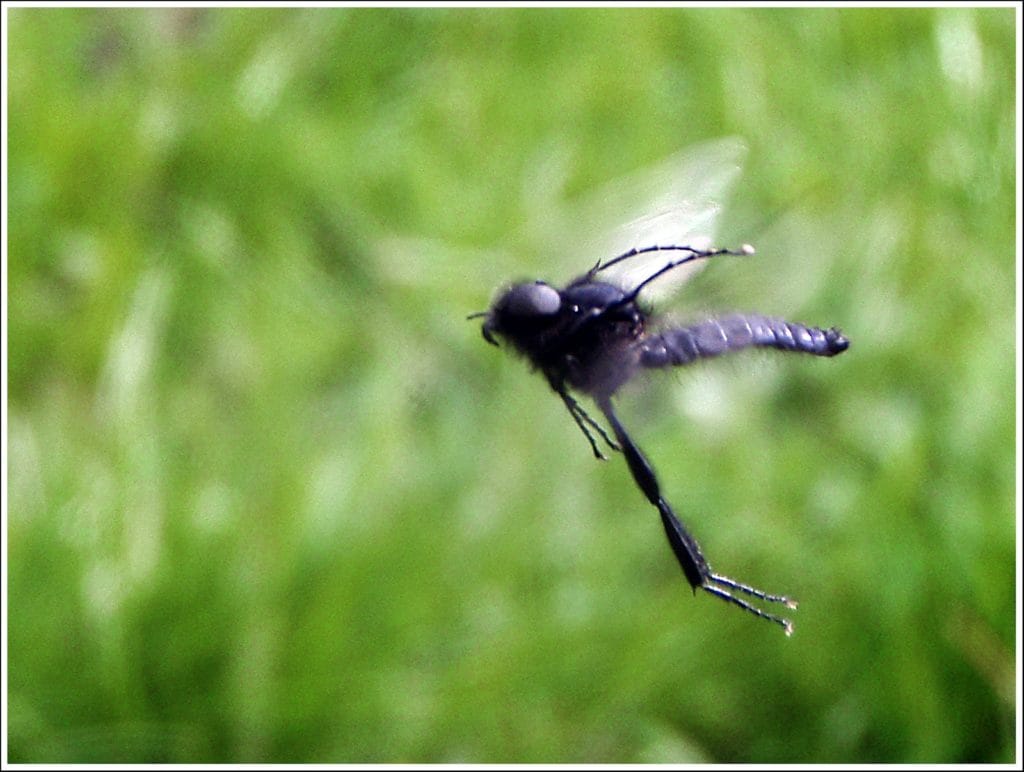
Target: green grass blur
[(272, 499)]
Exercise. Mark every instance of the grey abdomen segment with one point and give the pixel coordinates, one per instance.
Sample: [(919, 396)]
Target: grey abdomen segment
[(715, 337)]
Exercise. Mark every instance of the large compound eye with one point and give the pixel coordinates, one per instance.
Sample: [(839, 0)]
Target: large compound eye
[(537, 299)]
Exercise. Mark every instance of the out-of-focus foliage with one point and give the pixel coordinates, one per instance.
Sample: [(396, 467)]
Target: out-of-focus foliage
[(271, 498)]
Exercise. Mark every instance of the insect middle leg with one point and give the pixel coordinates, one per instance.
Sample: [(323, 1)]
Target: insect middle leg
[(583, 420)]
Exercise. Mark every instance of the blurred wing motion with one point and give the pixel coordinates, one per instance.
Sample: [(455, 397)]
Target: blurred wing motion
[(676, 201)]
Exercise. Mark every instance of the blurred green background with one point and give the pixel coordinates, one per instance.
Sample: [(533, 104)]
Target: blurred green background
[(272, 499)]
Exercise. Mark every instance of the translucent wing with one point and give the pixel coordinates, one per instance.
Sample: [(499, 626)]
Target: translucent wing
[(676, 201)]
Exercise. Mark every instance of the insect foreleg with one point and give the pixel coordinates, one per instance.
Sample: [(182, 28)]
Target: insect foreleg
[(694, 254)]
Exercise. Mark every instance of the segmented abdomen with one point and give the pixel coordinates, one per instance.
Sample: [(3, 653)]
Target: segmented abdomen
[(715, 337)]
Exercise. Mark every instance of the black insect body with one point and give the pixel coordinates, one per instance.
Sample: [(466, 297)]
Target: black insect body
[(592, 337)]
